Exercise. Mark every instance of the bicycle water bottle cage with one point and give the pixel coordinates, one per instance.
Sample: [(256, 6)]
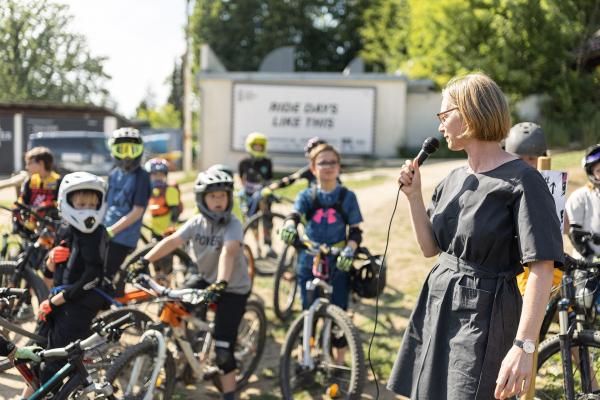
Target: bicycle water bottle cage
[(320, 268)]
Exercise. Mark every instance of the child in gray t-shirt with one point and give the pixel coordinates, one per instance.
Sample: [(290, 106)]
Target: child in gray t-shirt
[(216, 236)]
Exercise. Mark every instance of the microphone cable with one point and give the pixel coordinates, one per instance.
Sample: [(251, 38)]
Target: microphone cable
[(387, 242), (430, 146)]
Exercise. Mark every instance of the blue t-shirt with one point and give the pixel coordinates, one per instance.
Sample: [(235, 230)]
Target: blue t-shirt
[(126, 190), (326, 225)]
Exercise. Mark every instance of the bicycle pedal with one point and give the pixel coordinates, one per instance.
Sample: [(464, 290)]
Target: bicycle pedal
[(333, 391)]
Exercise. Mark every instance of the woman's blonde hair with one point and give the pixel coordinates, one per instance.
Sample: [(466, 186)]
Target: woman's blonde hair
[(482, 105), (320, 149)]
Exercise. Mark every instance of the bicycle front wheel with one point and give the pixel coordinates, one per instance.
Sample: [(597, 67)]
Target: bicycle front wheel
[(550, 378), (261, 235), (22, 311), (131, 372), (336, 350), (286, 286), (250, 344)]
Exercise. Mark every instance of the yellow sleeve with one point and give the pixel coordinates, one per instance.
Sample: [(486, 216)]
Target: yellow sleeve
[(172, 196)]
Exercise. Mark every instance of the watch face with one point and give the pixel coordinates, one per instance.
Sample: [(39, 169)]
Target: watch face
[(529, 347)]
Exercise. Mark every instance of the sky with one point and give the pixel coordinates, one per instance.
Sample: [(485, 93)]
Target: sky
[(141, 38)]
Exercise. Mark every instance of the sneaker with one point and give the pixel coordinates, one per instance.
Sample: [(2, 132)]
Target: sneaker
[(270, 252)]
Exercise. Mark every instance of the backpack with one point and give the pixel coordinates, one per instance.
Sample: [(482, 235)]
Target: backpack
[(337, 206)]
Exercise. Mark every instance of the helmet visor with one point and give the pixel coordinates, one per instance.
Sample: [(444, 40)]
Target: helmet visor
[(127, 150), (592, 158)]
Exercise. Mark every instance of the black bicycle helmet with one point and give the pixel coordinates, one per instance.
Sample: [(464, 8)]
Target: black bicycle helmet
[(591, 158), (526, 139), (366, 280)]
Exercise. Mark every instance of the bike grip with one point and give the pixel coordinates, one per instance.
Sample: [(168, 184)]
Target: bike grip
[(117, 323)]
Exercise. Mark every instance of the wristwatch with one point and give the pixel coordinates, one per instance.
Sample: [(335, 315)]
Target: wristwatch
[(527, 345)]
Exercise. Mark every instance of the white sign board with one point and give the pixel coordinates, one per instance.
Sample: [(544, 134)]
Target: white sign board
[(290, 115), (557, 184)]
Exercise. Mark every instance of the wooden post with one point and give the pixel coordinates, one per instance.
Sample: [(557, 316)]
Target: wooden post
[(544, 164)]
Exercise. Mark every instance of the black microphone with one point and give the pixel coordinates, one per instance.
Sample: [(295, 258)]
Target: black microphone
[(430, 146)]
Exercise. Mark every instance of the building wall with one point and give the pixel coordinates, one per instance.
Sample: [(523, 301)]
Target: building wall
[(216, 117), (421, 121), (17, 124)]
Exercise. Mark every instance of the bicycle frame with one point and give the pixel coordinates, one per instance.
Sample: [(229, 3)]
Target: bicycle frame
[(74, 370), (568, 328), (309, 317), (172, 316)]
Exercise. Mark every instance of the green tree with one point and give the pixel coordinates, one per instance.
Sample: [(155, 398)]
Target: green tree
[(527, 46), (385, 34), (175, 81), (161, 117), (42, 60), (324, 32)]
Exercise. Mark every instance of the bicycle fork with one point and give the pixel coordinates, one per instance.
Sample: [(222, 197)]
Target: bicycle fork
[(309, 323), (565, 347)]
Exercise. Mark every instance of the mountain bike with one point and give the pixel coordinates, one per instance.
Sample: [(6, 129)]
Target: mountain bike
[(190, 337), (309, 361), (23, 272), (568, 363), (73, 380), (552, 307), (261, 227)]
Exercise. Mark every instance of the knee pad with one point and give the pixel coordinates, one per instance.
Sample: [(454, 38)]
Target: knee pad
[(224, 357)]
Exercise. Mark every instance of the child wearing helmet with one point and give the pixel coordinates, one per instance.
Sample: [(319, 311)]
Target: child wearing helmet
[(332, 217), (76, 265), (165, 202), (583, 208), (216, 236), (255, 172), (127, 198), (257, 169), (527, 141)]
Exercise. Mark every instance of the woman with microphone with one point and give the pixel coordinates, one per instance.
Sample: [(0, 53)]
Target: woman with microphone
[(471, 335)]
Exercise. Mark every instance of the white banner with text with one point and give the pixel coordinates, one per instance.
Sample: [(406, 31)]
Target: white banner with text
[(289, 115)]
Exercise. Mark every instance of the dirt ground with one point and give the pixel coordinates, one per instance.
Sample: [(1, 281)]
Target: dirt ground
[(406, 271)]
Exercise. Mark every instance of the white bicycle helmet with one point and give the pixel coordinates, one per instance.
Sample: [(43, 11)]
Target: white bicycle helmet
[(85, 220), (212, 181)]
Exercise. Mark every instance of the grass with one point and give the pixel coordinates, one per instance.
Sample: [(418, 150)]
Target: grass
[(567, 160)]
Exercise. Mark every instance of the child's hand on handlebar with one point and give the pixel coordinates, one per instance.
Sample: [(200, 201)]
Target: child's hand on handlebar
[(28, 353), (289, 234), (345, 259)]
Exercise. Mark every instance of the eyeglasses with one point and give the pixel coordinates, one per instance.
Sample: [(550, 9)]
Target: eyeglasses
[(444, 115), (327, 164)]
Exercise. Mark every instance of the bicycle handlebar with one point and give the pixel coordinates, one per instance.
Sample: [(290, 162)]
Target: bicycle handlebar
[(573, 263), (91, 341), (315, 248), (188, 295), (43, 219), (8, 292)]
